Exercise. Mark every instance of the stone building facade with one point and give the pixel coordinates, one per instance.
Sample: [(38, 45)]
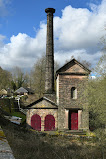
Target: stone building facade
[(71, 81), (69, 112), (65, 109), (39, 112)]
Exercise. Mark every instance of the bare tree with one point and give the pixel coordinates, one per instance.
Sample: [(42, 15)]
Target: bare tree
[(19, 78), (38, 76), (5, 79)]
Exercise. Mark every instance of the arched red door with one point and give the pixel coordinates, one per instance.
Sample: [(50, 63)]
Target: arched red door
[(36, 122), (49, 123)]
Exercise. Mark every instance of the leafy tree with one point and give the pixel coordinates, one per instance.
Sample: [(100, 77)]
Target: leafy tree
[(97, 102), (95, 93), (13, 85)]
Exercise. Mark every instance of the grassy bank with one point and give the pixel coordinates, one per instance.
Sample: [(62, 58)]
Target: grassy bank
[(19, 114), (30, 145)]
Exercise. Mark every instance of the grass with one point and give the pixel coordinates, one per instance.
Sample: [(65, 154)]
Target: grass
[(28, 144), (19, 114)]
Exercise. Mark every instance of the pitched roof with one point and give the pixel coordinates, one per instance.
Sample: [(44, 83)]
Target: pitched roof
[(3, 92), (29, 90), (39, 100), (21, 90), (70, 64)]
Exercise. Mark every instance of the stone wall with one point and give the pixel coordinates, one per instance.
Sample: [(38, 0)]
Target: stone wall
[(66, 82), (65, 85), (42, 113), (42, 108)]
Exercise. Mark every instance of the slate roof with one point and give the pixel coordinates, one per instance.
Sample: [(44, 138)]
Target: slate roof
[(39, 100), (69, 64), (21, 90), (29, 90), (24, 90)]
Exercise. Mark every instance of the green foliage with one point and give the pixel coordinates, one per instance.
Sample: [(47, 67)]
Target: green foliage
[(95, 94), (7, 104), (13, 85), (97, 102), (19, 114), (5, 79)]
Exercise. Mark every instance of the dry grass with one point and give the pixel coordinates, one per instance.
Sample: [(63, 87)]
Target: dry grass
[(29, 145)]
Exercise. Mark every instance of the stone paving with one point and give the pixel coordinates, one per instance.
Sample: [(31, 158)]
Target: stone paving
[(5, 150)]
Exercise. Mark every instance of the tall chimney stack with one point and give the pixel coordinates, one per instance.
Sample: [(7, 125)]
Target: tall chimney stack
[(49, 76)]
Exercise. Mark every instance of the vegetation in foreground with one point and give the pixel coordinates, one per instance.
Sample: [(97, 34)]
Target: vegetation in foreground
[(28, 144), (19, 114)]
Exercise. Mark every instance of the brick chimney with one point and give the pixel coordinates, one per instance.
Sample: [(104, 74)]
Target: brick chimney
[(49, 76)]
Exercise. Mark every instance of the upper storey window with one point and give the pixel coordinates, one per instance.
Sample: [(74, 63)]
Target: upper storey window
[(74, 93)]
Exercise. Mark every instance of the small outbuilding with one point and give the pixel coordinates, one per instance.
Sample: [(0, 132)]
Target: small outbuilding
[(3, 92), (42, 115), (21, 91), (24, 91)]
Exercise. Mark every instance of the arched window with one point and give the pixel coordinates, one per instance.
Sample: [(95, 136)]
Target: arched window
[(74, 93)]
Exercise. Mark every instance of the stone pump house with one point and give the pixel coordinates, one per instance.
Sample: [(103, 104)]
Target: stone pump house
[(64, 109)]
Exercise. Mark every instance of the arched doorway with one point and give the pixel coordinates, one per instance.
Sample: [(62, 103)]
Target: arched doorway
[(36, 122), (49, 123)]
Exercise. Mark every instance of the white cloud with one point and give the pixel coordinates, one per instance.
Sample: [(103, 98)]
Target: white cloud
[(23, 50), (83, 54), (77, 32), (80, 28)]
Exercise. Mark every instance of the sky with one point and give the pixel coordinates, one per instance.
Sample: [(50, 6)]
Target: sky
[(79, 26)]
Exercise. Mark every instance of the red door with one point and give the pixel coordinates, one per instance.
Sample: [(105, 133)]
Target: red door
[(49, 123), (74, 120), (36, 122)]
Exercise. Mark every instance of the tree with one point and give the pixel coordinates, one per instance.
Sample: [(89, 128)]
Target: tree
[(19, 78), (38, 76), (5, 79), (97, 102), (84, 62), (95, 93)]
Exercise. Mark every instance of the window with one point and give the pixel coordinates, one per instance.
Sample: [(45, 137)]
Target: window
[(73, 93)]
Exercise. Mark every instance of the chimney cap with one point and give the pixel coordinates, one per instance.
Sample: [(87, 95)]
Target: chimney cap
[(51, 10)]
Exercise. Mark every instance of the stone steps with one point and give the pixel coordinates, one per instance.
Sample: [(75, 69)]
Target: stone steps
[(73, 132)]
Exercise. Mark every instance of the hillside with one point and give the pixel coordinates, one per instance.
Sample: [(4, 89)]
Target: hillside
[(28, 144)]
